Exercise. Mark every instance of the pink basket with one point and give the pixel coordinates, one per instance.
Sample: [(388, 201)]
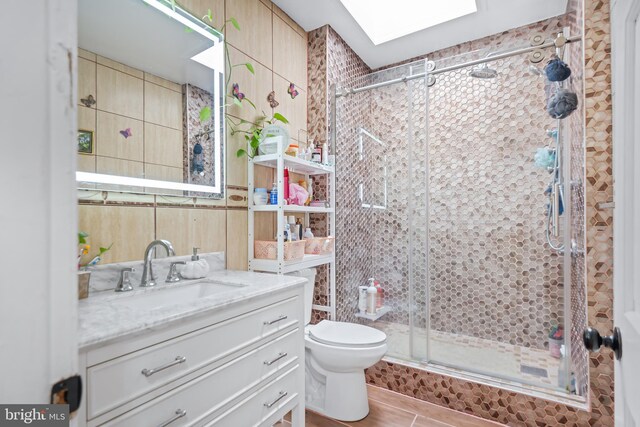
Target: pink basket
[(268, 249), (319, 245)]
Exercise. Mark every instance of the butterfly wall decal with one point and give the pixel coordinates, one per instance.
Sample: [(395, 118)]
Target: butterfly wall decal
[(292, 91), (237, 93), (88, 101), (126, 133), (272, 99)]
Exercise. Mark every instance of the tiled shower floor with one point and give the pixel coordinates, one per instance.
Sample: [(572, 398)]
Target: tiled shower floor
[(491, 358)]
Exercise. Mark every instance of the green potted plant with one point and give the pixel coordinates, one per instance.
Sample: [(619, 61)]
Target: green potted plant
[(84, 274)]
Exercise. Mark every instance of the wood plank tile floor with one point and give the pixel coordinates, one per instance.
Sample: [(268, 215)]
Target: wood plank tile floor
[(391, 409)]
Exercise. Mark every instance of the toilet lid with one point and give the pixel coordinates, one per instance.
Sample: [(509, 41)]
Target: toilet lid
[(346, 334)]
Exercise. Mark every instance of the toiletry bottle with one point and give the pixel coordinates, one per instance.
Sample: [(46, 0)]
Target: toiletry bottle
[(291, 220), (362, 299), (380, 301), (299, 228), (562, 370), (286, 185), (325, 154), (372, 297), (273, 196), (308, 234), (316, 154), (287, 233), (310, 191), (195, 256)]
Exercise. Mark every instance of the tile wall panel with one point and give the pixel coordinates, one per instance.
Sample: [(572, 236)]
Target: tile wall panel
[(255, 37), (119, 93), (188, 228), (128, 228)]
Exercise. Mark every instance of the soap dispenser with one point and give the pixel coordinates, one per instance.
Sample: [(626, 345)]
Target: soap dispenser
[(195, 256)]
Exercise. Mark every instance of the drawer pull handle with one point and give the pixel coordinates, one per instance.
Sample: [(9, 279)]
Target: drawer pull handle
[(278, 357), (279, 319), (280, 397), (179, 414), (178, 360)]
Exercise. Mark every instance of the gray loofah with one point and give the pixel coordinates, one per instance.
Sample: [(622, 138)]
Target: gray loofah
[(562, 104)]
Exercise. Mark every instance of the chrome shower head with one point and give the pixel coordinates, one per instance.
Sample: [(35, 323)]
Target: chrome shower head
[(483, 72)]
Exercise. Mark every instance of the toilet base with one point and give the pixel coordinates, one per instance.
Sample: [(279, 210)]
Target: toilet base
[(344, 397)]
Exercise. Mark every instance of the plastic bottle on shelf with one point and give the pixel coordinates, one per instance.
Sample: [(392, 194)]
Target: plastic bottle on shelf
[(310, 191), (293, 232), (287, 233), (362, 299), (372, 298), (308, 234), (286, 184), (380, 300), (299, 228), (325, 153), (273, 196)]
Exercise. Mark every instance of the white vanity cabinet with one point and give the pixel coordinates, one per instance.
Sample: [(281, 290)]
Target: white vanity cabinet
[(238, 365)]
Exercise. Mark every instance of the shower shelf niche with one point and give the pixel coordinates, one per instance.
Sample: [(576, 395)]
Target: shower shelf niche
[(373, 317)]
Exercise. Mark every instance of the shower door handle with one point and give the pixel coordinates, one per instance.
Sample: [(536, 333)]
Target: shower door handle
[(593, 341)]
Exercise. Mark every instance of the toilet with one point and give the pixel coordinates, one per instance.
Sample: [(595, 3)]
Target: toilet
[(336, 355)]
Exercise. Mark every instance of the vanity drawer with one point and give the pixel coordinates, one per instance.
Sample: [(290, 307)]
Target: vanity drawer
[(201, 397), (118, 381), (256, 408)]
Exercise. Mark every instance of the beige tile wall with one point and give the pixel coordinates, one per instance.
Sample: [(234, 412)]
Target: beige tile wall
[(277, 48), (129, 98)]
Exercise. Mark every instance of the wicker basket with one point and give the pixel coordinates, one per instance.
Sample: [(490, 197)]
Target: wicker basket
[(319, 245), (268, 249)]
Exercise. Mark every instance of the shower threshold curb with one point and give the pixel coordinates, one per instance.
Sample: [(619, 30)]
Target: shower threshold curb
[(577, 402)]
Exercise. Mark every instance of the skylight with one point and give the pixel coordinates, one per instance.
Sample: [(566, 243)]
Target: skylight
[(385, 20)]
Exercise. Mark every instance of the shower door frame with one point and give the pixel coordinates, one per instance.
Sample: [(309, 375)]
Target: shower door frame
[(577, 401)]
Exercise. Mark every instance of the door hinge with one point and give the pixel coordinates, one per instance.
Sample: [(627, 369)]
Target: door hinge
[(68, 391)]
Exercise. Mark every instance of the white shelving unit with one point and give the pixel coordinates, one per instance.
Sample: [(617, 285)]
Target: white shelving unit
[(279, 162)]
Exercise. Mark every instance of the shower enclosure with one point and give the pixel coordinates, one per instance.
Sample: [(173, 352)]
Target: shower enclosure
[(439, 198)]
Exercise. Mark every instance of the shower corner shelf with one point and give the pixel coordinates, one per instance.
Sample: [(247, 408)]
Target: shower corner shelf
[(278, 162), (373, 317)]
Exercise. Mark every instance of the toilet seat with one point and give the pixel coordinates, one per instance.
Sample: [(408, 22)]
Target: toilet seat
[(343, 334)]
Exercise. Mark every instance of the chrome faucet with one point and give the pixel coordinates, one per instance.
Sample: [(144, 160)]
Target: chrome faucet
[(148, 279)]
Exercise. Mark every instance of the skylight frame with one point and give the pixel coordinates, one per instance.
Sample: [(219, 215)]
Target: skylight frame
[(383, 21)]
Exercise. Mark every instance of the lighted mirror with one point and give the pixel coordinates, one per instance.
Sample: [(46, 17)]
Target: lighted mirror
[(150, 99)]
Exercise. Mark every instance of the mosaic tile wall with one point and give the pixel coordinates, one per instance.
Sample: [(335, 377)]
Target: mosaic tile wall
[(332, 61), (509, 407), (492, 274), (194, 100)]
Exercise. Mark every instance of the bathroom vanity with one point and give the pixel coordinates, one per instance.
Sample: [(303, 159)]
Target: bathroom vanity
[(227, 350)]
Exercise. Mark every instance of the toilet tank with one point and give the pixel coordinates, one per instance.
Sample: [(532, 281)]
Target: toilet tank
[(310, 275)]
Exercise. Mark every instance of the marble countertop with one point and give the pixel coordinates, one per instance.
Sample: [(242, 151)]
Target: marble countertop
[(103, 317)]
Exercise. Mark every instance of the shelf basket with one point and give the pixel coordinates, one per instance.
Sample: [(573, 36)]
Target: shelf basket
[(268, 249)]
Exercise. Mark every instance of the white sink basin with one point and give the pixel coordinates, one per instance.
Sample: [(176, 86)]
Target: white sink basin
[(168, 296)]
